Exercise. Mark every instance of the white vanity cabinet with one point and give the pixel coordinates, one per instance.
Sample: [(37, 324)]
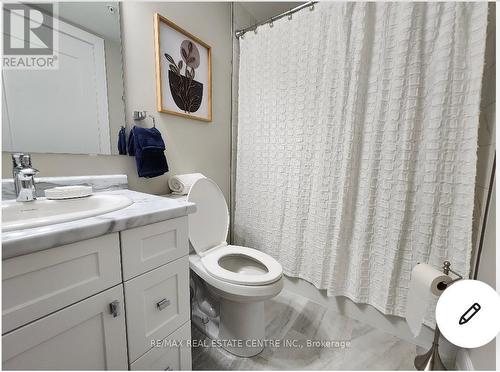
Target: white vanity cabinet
[(37, 284), (159, 305), (82, 336), (99, 303), (173, 355), (147, 247), (157, 300)]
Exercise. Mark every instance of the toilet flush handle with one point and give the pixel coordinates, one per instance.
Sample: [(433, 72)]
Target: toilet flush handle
[(160, 305)]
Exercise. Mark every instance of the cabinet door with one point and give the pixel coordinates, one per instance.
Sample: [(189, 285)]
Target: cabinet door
[(84, 336), (172, 354), (37, 284), (157, 304)]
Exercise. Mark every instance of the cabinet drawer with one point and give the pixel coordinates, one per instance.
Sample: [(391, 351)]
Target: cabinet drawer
[(172, 354), (157, 304), (83, 336), (148, 247), (40, 283)]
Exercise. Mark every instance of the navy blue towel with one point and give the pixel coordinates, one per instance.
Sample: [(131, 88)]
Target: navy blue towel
[(122, 142), (148, 148)]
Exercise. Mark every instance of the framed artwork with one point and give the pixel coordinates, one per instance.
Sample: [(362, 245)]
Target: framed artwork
[(183, 72)]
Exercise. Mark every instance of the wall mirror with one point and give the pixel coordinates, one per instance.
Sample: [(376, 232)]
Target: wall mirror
[(77, 108)]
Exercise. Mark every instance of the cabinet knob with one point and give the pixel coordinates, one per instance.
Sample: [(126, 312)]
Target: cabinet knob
[(114, 308), (160, 305)]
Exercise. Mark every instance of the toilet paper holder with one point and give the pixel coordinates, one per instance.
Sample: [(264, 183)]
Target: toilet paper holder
[(431, 361), (447, 270)]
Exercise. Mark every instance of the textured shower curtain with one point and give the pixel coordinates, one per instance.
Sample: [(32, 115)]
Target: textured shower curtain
[(356, 152)]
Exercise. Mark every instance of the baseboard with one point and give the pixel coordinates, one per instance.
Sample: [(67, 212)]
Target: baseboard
[(463, 362)]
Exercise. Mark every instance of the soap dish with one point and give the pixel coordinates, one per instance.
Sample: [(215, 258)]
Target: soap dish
[(68, 192)]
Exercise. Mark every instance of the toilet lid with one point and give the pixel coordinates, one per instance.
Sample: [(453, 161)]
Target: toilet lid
[(209, 225)]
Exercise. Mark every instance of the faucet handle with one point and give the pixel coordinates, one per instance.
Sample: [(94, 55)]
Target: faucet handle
[(26, 160), (26, 173), (16, 159)]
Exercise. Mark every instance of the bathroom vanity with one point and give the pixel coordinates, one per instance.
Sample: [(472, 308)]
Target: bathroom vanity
[(95, 293)]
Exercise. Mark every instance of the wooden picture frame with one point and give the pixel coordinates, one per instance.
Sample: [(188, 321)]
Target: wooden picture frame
[(180, 59)]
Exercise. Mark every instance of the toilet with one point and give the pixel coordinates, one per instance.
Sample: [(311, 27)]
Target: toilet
[(231, 282)]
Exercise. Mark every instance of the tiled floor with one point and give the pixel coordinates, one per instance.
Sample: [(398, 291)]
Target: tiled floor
[(292, 317)]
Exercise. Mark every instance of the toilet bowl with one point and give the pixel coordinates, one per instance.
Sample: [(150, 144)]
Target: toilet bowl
[(240, 278)]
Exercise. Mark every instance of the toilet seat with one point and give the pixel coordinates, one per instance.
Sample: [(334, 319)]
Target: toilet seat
[(208, 228), (211, 262)]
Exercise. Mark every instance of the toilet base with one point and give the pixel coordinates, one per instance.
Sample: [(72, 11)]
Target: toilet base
[(234, 318), (239, 328), (208, 326), (242, 327)]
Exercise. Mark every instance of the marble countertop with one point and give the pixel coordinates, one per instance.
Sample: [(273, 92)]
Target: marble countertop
[(145, 210)]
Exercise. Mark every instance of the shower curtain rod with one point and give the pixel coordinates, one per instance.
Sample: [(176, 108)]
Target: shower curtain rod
[(288, 13)]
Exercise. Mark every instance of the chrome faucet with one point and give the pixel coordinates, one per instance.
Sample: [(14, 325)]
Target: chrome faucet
[(16, 167), (24, 177)]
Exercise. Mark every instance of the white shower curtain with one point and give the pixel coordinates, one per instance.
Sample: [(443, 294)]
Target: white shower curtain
[(357, 132)]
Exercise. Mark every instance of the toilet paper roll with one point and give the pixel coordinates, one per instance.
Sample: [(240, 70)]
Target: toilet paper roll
[(181, 183), (425, 280)]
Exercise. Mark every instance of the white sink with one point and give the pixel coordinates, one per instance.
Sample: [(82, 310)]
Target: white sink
[(42, 212)]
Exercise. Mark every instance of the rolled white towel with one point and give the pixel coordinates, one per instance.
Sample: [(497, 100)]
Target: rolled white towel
[(181, 184)]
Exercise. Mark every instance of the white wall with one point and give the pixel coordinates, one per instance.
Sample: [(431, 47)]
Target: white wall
[(191, 145), (487, 130), (483, 358)]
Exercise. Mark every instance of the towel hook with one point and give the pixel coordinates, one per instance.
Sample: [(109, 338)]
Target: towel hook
[(153, 119), (141, 115)]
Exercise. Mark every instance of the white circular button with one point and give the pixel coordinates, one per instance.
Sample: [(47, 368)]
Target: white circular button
[(468, 313)]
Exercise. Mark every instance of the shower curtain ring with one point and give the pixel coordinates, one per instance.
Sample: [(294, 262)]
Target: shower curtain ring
[(271, 23), (255, 30), (290, 16), (311, 7)]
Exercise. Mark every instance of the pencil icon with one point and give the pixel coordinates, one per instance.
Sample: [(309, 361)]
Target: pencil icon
[(473, 310)]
